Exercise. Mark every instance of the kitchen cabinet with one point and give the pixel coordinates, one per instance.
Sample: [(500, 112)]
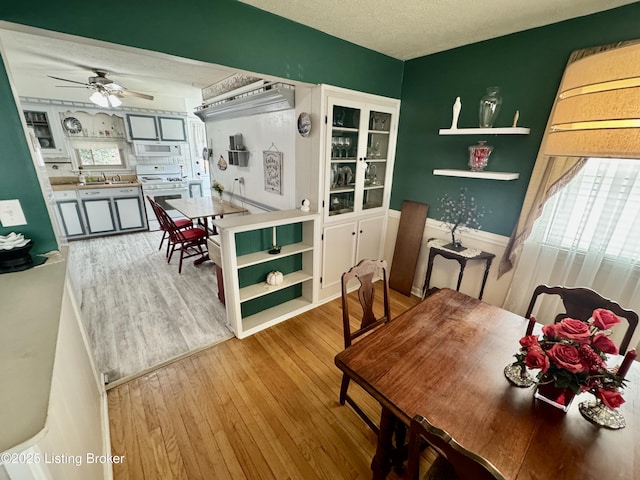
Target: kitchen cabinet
[(252, 304), (345, 244), (357, 158), (142, 127), (153, 127), (100, 211), (47, 128), (129, 213), (359, 153), (172, 129), (99, 214), (69, 215)]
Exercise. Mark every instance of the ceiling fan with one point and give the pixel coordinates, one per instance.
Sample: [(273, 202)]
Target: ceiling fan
[(104, 86)]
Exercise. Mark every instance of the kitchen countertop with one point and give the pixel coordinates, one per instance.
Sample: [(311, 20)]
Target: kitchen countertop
[(77, 186), (30, 301)]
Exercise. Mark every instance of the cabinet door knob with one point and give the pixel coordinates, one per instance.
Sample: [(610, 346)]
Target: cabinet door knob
[(353, 233), (360, 231)]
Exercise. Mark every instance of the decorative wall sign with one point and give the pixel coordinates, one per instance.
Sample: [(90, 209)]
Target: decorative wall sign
[(272, 170)]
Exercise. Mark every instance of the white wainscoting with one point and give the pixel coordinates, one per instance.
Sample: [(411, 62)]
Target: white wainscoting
[(445, 272)]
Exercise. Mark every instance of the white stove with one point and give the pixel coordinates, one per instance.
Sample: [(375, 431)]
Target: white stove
[(162, 183), (155, 177)]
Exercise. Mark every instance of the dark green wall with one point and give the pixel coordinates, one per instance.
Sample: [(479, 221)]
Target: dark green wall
[(528, 67), (18, 179), (225, 32)]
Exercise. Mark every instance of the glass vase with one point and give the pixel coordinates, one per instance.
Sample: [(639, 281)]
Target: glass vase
[(489, 107), (558, 397), (479, 156)]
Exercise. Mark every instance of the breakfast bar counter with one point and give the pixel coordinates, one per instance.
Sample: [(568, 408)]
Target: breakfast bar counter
[(52, 400), (31, 302)]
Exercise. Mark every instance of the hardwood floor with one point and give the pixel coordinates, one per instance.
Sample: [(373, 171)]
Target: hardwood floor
[(265, 407), (137, 310)]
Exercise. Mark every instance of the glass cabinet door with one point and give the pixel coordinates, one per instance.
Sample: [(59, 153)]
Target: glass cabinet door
[(343, 159), (42, 128), (378, 137)]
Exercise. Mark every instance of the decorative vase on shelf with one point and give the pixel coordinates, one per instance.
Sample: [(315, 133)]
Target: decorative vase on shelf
[(479, 156), (489, 107), (558, 397)]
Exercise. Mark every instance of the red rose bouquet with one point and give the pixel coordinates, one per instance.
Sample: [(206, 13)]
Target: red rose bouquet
[(572, 354)]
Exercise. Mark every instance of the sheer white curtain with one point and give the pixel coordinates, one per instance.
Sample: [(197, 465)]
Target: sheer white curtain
[(588, 236)]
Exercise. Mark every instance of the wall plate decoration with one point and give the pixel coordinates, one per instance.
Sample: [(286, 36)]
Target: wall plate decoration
[(272, 171), (304, 124), (72, 125), (222, 163)]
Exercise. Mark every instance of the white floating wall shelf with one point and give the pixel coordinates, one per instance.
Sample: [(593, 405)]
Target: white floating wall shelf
[(485, 175), (485, 131)]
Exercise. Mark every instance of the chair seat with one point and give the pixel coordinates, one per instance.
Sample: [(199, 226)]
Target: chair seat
[(441, 469), (193, 234)]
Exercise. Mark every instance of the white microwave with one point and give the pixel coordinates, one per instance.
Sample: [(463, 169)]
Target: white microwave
[(159, 149)]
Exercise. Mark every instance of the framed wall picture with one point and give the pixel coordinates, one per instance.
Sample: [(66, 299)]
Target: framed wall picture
[(272, 171)]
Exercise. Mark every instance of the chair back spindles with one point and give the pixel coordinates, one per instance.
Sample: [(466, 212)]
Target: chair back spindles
[(187, 240), (364, 273), (580, 302)]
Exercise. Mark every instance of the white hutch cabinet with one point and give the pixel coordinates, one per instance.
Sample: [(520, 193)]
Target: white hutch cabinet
[(357, 157)]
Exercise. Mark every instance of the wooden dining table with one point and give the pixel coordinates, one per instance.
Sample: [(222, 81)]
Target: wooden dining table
[(444, 359)]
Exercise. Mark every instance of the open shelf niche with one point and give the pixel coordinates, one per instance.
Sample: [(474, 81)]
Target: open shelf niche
[(252, 304)]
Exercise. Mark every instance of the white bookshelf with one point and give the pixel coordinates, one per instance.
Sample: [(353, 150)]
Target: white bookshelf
[(307, 276)]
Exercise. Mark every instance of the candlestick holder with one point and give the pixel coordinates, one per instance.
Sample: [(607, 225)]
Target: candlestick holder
[(275, 248)]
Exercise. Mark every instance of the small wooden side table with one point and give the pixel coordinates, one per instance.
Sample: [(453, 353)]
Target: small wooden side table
[(462, 260)]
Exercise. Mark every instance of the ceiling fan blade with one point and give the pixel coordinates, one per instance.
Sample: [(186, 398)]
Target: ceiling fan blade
[(129, 93), (67, 80)]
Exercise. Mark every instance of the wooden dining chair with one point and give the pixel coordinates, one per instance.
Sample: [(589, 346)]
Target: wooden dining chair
[(454, 462), (189, 241), (180, 222), (364, 274), (580, 302)]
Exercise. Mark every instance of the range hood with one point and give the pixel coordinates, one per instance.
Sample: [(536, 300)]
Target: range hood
[(269, 97)]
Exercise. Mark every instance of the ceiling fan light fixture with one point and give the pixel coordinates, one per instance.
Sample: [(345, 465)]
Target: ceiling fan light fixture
[(105, 100)]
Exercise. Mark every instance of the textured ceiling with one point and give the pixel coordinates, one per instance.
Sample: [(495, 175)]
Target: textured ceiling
[(407, 29)]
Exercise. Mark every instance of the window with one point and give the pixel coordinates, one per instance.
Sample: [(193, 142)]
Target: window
[(105, 156), (99, 153), (598, 211)]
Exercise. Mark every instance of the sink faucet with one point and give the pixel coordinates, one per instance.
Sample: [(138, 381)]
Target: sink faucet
[(103, 176), (117, 178)]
